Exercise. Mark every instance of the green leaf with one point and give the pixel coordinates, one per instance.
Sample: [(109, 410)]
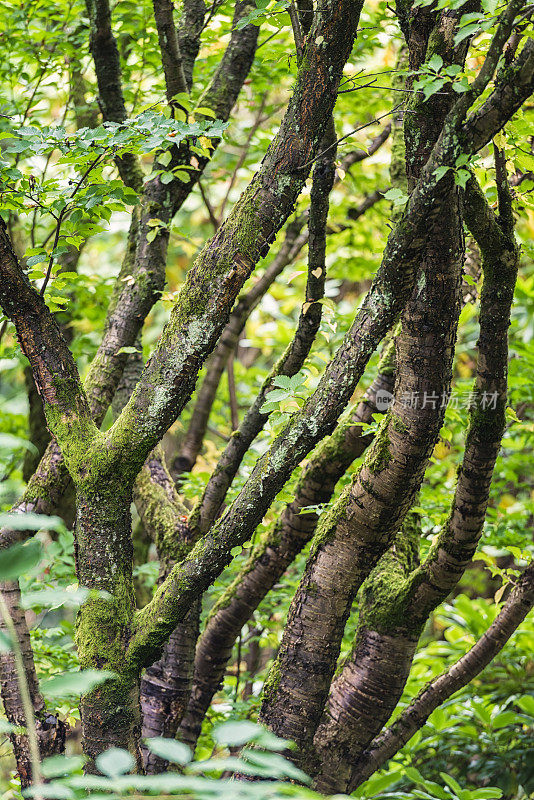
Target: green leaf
[(170, 750), (57, 766), (10, 442), (33, 260), (235, 734), (165, 158), (440, 172), (167, 177), (283, 381), (465, 32), (54, 598), (449, 780), (74, 684), (127, 350), (19, 559), (56, 791), (274, 765), (526, 704), (433, 88), (206, 111), (461, 177), (505, 718), (397, 196), (436, 62), (8, 727), (115, 762), (278, 394), (31, 522)]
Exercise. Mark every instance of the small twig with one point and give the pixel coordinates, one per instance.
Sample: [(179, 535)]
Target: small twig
[(63, 215), (297, 30), (218, 433), (25, 697), (234, 414), (268, 39), (244, 152), (209, 208), (360, 128)]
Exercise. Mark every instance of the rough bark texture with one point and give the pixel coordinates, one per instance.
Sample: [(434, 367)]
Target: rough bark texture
[(104, 555), (108, 73), (365, 693), (171, 56), (402, 606), (189, 31), (221, 269), (141, 277), (166, 684), (435, 693), (191, 445), (273, 555), (295, 355), (50, 729), (361, 526), (363, 522)]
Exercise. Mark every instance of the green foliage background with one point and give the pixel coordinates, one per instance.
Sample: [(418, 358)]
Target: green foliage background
[(481, 737)]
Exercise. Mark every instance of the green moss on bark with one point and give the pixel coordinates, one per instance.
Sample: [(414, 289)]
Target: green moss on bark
[(387, 590)]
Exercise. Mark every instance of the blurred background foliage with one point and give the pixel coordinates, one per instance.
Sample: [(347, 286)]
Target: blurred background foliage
[(482, 736)]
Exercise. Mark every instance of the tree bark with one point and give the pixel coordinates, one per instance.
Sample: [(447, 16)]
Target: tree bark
[(392, 739), (271, 557)]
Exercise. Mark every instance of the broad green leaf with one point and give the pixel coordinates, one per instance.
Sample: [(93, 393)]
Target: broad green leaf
[(235, 734), (115, 762), (56, 791), (10, 442), (20, 558), (165, 158), (54, 598), (31, 522), (275, 765), (56, 766), (526, 704), (170, 750), (74, 684), (8, 727), (436, 62)]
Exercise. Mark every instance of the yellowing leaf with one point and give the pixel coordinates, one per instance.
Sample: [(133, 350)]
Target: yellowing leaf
[(499, 593), (441, 451)]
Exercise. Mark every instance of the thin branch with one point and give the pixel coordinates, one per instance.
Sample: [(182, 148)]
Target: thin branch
[(209, 208), (234, 415), (244, 152), (297, 30), (31, 729), (390, 741), (351, 133)]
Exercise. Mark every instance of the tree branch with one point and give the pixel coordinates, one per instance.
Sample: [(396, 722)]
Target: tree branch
[(435, 693), (55, 374), (271, 557), (171, 57)]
